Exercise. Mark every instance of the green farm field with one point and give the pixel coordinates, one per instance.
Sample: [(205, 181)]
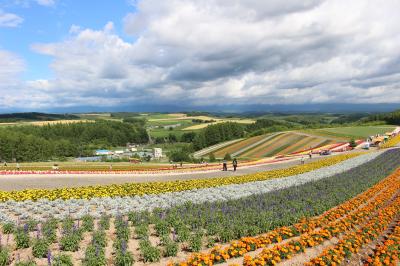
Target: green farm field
[(352, 132)]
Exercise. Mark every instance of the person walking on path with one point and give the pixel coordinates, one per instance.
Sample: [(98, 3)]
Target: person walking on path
[(224, 166), (18, 166), (110, 167), (234, 163), (310, 155), (302, 160)]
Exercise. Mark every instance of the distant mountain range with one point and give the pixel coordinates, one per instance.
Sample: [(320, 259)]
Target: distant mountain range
[(285, 108)]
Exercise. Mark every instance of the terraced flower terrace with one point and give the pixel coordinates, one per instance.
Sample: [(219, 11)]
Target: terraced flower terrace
[(283, 223)]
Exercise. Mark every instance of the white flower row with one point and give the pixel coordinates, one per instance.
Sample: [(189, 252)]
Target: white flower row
[(44, 209)]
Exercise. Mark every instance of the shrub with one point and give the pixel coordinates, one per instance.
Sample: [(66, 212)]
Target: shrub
[(212, 158), (87, 223), (68, 225), (62, 260), (26, 263), (99, 238), (104, 222), (227, 157), (22, 239), (40, 248), (162, 228), (171, 249), (196, 242), (32, 225), (8, 228), (70, 242), (94, 256), (4, 257), (124, 258), (142, 232), (150, 253)]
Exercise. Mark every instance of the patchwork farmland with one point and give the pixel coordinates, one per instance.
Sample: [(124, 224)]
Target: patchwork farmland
[(274, 144)]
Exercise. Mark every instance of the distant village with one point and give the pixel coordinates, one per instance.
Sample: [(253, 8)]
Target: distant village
[(132, 152)]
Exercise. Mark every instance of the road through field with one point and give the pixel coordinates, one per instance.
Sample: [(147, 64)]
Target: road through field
[(20, 182)]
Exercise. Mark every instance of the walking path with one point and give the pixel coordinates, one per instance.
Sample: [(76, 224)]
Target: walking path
[(30, 181)]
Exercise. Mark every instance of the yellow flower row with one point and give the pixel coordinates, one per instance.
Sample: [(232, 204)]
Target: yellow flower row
[(132, 189), (392, 142)]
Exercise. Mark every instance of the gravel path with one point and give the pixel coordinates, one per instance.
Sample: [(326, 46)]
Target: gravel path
[(30, 181)]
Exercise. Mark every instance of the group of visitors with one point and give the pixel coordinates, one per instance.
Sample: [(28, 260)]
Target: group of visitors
[(225, 165), (310, 154)]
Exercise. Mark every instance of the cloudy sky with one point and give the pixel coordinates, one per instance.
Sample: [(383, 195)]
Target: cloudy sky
[(73, 53)]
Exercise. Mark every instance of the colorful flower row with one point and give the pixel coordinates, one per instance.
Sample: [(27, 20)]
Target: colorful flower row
[(388, 252), (394, 141), (278, 253), (247, 244), (132, 189), (41, 209), (352, 242)]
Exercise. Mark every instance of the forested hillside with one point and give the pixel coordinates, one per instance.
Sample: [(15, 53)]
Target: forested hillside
[(38, 143)]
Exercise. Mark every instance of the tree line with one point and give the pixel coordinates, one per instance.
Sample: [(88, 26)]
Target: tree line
[(56, 141)]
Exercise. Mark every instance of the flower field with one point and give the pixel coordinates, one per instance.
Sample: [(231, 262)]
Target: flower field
[(133, 189), (392, 142), (43, 208), (274, 144), (285, 222)]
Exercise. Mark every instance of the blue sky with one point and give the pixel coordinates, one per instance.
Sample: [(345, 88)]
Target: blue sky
[(51, 23), (70, 54)]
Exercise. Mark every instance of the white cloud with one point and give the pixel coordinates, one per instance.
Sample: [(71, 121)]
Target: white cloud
[(9, 19), (221, 52)]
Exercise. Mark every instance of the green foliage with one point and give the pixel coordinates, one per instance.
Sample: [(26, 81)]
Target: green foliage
[(32, 225), (87, 223), (68, 224), (49, 230), (150, 253), (227, 157), (99, 239), (124, 258), (352, 143), (196, 242), (171, 249), (22, 239), (123, 231), (212, 158), (104, 222), (40, 248), (216, 133), (4, 257), (188, 137), (142, 231), (162, 228), (26, 263), (39, 143), (70, 242), (183, 233), (8, 228), (62, 260), (180, 155), (94, 256)]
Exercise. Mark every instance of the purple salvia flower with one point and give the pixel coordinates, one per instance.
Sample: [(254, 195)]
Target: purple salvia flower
[(49, 258), (97, 250), (26, 228), (123, 246)]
